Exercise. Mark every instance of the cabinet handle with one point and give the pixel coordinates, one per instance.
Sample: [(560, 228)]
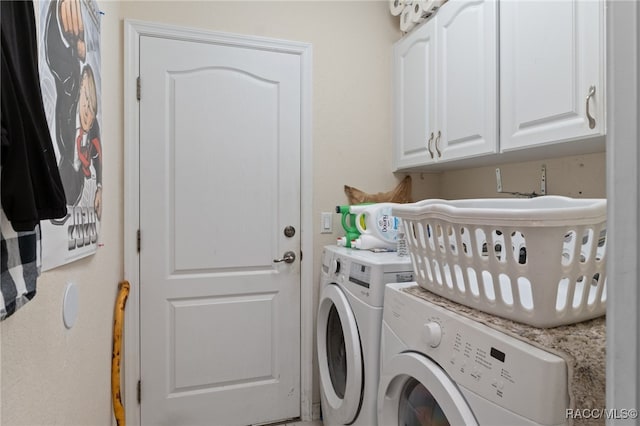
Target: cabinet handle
[(592, 121), (429, 145), (437, 145)]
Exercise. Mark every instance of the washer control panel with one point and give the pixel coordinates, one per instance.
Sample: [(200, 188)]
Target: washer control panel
[(365, 273), (360, 274)]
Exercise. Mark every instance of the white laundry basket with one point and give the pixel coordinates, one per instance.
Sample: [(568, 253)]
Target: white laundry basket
[(538, 261)]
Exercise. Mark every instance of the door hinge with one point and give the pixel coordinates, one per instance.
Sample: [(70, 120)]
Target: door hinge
[(138, 88), (138, 240), (139, 390)]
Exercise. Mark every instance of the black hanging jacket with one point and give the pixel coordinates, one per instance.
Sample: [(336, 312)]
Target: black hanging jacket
[(31, 189)]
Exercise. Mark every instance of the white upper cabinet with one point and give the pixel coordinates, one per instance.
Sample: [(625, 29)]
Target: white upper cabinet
[(551, 72), (467, 79), (414, 97), (445, 86)]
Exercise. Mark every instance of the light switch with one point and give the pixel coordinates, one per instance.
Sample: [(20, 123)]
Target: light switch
[(326, 222)]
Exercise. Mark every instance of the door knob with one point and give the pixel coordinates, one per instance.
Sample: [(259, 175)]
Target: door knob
[(288, 257)]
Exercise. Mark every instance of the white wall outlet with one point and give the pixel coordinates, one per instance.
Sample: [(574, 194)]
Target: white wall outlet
[(326, 223)]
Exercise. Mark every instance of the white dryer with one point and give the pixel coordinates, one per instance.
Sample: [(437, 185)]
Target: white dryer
[(348, 330), (440, 368)]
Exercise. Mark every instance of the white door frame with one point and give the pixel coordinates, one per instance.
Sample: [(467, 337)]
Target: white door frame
[(133, 30)]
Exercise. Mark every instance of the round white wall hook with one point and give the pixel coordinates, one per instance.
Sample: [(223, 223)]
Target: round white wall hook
[(70, 305)]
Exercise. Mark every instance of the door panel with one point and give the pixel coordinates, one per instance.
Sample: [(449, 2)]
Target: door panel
[(219, 181), (228, 154), (195, 343)]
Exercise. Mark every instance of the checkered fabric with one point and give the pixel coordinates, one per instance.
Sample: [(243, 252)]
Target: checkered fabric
[(20, 266)]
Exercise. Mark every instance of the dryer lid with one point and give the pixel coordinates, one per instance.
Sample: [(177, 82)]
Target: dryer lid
[(339, 356)]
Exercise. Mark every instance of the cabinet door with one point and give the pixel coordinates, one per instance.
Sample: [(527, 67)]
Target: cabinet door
[(467, 76), (551, 53), (413, 109)]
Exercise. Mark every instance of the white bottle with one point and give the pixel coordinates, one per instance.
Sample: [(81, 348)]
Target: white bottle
[(402, 249), (376, 220), (368, 242)]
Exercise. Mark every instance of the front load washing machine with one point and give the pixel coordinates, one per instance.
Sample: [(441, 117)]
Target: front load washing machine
[(348, 330), (440, 368)]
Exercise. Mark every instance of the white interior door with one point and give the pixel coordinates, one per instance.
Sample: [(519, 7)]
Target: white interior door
[(219, 182)]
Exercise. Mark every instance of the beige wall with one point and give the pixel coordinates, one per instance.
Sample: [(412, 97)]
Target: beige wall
[(581, 176), (51, 375)]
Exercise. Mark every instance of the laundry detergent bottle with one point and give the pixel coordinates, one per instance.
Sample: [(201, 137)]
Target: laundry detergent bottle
[(376, 220), (348, 224)]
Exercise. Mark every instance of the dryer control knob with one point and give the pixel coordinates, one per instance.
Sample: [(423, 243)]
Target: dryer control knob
[(432, 334)]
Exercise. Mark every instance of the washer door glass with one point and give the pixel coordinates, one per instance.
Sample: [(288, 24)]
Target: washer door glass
[(336, 354), (416, 391), (418, 407)]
